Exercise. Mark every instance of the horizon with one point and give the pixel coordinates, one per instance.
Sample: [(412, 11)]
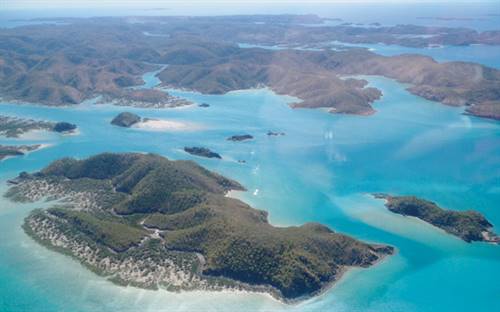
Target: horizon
[(165, 5)]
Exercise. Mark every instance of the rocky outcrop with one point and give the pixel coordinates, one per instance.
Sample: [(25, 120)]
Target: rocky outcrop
[(126, 119), (202, 152)]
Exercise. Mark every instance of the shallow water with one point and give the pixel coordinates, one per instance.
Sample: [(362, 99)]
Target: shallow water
[(321, 170)]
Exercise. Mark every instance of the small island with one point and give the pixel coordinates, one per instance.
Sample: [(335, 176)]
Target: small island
[(145, 221), (143, 98), (468, 225), (238, 138), (14, 127), (202, 152), (126, 120), (130, 120), (274, 133), (7, 151), (64, 127)]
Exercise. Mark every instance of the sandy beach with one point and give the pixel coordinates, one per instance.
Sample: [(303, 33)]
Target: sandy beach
[(166, 125)]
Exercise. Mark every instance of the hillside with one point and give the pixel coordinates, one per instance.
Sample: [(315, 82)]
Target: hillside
[(121, 208)]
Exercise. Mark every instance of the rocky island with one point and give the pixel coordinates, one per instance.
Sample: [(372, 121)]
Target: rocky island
[(202, 152), (126, 120), (146, 221), (274, 133), (468, 225), (64, 127), (238, 138)]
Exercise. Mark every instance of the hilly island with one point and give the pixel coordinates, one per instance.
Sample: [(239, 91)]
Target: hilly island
[(52, 65), (146, 221)]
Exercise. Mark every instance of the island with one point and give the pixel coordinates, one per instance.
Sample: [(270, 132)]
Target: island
[(238, 138), (468, 225), (64, 127), (320, 76), (131, 120), (14, 127), (202, 152), (274, 133), (126, 119), (145, 221), (7, 151)]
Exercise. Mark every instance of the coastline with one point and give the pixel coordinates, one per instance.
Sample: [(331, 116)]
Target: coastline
[(233, 286), (125, 270), (28, 151), (150, 124)]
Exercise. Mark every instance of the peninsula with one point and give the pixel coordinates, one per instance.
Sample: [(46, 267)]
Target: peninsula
[(146, 221)]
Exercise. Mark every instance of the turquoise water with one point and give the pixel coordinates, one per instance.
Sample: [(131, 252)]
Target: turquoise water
[(321, 170)]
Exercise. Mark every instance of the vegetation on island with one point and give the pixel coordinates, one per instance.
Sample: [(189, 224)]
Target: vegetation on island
[(64, 127), (241, 137), (157, 218), (468, 225), (202, 152), (311, 66)]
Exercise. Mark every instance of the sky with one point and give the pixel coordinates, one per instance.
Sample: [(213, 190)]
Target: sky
[(45, 4)]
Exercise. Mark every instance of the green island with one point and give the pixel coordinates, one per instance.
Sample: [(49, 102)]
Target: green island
[(468, 225), (240, 137), (202, 152), (146, 221)]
